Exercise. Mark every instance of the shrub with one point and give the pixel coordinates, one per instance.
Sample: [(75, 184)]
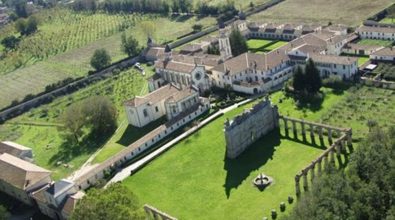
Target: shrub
[(282, 206), (335, 83), (274, 214), (290, 199)]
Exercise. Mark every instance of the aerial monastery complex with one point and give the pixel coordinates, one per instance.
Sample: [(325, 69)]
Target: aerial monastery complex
[(176, 91)]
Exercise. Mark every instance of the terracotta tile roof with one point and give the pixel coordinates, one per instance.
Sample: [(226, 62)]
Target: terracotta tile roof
[(20, 173), (155, 52), (342, 60), (386, 51), (163, 93), (241, 63), (362, 47), (207, 60), (71, 202), (376, 29), (191, 48), (12, 148), (175, 66), (261, 62)]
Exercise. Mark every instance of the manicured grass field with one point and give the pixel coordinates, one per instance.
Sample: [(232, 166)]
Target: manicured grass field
[(348, 12), (38, 128), (387, 21), (195, 178), (75, 46), (375, 42), (362, 60), (261, 45)]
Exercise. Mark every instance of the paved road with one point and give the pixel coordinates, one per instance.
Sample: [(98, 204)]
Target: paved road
[(127, 171)]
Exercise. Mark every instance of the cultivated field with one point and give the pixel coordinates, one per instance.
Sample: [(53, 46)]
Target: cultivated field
[(38, 128), (348, 12), (194, 177), (32, 79), (61, 30), (238, 3)]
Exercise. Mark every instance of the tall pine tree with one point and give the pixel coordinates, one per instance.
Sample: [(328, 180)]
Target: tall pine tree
[(312, 77), (237, 42), (299, 80)]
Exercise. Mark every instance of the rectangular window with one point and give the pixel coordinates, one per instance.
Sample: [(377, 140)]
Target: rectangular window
[(156, 108)]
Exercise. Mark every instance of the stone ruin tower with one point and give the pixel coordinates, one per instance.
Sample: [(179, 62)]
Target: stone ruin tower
[(248, 127), (224, 45)]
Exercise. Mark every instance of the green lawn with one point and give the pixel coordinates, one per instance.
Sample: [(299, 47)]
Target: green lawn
[(38, 128), (195, 178), (374, 42), (387, 21), (261, 45), (362, 60)]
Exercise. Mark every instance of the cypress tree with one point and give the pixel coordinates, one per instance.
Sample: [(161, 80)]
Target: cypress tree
[(237, 42), (299, 80), (313, 78)]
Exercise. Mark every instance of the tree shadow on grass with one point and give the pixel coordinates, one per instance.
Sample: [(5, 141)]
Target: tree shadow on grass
[(180, 18), (253, 158), (68, 151), (132, 133)]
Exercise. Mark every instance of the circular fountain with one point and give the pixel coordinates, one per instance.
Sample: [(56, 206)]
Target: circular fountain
[(261, 181)]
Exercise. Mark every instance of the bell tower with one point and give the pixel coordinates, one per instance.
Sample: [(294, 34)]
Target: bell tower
[(224, 45)]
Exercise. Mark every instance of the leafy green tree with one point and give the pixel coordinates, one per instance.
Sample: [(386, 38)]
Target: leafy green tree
[(10, 42), (26, 26), (365, 191), (197, 27), (31, 25), (20, 25), (312, 77), (299, 81), (96, 115), (115, 202), (3, 213), (21, 8), (391, 13), (101, 114), (130, 46), (213, 49), (73, 121), (237, 42), (100, 59)]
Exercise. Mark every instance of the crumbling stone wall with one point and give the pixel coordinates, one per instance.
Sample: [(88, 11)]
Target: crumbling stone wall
[(246, 128)]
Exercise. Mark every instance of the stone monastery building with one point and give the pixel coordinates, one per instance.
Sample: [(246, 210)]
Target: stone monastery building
[(170, 100), (256, 73)]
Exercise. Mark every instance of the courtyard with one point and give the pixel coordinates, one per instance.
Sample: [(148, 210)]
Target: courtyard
[(195, 177), (263, 46)]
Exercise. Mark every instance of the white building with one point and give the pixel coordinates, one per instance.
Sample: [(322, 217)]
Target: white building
[(170, 100), (252, 73), (381, 33), (385, 54), (330, 65)]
